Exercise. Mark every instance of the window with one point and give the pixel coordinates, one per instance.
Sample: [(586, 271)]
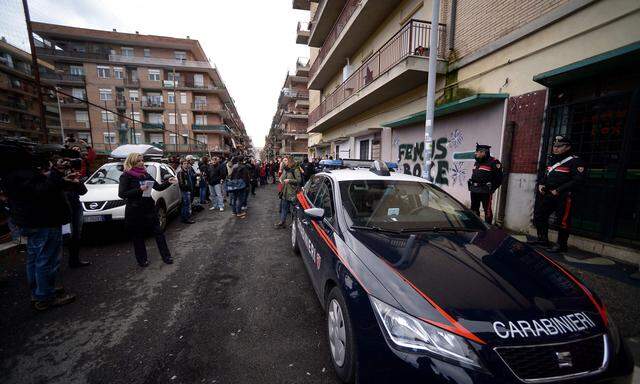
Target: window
[(156, 138), (107, 117), (198, 80), (103, 72), (201, 119), (165, 172), (173, 138), (311, 188), (171, 97), (137, 138), (172, 118), (134, 95), (105, 94), (185, 139), (155, 118), (84, 136), (78, 93), (324, 199), (183, 118), (180, 55), (202, 138), (109, 138), (200, 100), (118, 73), (173, 76), (183, 98), (154, 74), (127, 51), (364, 149), (82, 116), (5, 118), (135, 116), (76, 70), (147, 52)]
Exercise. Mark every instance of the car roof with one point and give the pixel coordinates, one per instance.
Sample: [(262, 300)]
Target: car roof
[(365, 174)]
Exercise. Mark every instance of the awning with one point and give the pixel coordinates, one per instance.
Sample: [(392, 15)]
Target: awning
[(608, 61), (445, 109)]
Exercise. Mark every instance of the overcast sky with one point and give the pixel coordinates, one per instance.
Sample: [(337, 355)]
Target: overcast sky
[(252, 42)]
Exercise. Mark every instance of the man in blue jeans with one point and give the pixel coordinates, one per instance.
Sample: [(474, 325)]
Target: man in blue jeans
[(217, 173), (39, 208), (185, 181)]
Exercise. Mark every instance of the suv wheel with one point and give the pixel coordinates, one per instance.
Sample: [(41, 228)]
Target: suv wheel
[(294, 238), (341, 338), (162, 216)]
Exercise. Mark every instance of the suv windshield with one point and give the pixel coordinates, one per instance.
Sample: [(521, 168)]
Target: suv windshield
[(403, 206), (110, 174)]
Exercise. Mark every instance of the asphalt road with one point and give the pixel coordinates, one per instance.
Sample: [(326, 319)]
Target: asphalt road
[(236, 307)]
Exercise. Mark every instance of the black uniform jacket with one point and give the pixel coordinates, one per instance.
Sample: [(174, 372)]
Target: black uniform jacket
[(566, 176), (140, 213), (487, 171)]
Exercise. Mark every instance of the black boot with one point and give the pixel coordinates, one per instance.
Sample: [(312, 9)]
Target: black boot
[(543, 238), (561, 245)]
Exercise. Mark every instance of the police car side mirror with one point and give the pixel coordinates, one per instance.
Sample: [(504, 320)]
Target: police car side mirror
[(316, 214), (166, 177)]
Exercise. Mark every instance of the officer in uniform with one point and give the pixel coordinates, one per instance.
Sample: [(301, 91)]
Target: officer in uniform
[(564, 173), (485, 179)]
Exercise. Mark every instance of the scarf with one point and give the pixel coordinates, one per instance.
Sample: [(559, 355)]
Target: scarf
[(138, 172)]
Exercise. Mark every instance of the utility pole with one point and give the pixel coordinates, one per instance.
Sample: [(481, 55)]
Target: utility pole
[(36, 73), (133, 127), (60, 115), (175, 108), (431, 90)]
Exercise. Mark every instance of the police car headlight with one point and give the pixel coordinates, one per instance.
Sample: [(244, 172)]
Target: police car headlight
[(407, 332)]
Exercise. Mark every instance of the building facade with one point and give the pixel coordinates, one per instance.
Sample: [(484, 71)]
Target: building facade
[(288, 133), (510, 74), (20, 113), (140, 89)]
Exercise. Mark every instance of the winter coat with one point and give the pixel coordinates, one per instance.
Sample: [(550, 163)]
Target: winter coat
[(216, 173), (185, 181), (140, 213), (290, 189)]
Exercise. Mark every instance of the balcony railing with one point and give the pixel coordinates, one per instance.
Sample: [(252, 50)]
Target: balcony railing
[(152, 104), (215, 128), (411, 40), (302, 33), (153, 126), (121, 102), (70, 101), (62, 77), (348, 11), (131, 82), (191, 84), (72, 124), (72, 54), (159, 62)]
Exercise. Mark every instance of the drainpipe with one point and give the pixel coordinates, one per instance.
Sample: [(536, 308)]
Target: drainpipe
[(506, 169), (451, 25)]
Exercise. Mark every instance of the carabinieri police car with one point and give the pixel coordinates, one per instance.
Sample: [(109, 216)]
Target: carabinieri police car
[(418, 289)]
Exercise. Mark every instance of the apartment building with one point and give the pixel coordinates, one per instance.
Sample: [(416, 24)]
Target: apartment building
[(156, 89), (288, 133), (510, 74), (20, 113)]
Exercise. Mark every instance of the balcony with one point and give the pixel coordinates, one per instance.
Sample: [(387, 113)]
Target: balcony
[(153, 105), (75, 125), (302, 33), (326, 15), (302, 103), (62, 78), (304, 5), (302, 67), (131, 82), (121, 103), (357, 22), (70, 102), (171, 63), (153, 126), (217, 128), (399, 66), (58, 54)]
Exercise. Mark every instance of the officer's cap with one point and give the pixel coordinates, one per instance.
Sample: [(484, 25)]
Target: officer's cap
[(481, 147), (561, 140)]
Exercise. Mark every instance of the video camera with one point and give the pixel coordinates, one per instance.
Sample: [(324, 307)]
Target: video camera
[(18, 153)]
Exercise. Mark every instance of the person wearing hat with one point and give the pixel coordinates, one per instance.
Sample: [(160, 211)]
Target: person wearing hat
[(485, 179), (564, 173)]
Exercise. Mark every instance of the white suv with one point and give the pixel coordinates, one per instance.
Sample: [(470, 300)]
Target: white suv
[(101, 202)]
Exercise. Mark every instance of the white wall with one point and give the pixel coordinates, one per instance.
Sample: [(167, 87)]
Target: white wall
[(520, 201)]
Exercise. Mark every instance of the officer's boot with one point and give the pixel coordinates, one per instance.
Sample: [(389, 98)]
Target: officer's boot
[(561, 245), (543, 237)]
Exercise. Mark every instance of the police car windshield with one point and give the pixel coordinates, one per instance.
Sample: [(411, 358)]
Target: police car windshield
[(110, 174), (397, 205)]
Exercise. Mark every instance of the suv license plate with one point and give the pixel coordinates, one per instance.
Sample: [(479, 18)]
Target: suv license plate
[(96, 218)]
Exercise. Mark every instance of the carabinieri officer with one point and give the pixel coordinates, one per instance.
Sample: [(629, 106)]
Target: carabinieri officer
[(485, 179), (565, 172)]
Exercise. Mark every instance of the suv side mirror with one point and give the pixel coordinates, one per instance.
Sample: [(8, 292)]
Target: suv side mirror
[(316, 214), (166, 177)]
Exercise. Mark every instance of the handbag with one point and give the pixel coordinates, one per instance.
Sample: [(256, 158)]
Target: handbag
[(235, 185)]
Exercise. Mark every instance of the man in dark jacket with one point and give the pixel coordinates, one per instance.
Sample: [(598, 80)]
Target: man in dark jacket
[(216, 174), (308, 170), (485, 179), (187, 186), (39, 208), (564, 174)]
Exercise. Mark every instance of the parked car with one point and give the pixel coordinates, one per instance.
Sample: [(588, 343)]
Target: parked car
[(101, 202), (418, 289)]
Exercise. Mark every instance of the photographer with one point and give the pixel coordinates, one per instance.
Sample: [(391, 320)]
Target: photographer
[(39, 208), (71, 168)]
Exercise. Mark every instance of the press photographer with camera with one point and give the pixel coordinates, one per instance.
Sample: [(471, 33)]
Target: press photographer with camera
[(39, 208)]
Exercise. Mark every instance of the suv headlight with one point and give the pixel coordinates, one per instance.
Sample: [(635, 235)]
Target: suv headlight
[(407, 332)]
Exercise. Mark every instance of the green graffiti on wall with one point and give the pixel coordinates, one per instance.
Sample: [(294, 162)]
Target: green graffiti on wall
[(414, 153)]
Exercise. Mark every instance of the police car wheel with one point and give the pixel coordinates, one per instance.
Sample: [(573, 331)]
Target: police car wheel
[(341, 339), (294, 238)]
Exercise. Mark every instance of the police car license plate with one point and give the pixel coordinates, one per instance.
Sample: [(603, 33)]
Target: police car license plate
[(96, 218)]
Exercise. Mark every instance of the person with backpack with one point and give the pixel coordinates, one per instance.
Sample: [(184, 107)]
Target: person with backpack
[(291, 181), (236, 186)]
